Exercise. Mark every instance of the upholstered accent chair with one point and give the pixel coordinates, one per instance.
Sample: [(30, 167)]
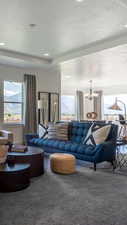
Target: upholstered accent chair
[(6, 137)]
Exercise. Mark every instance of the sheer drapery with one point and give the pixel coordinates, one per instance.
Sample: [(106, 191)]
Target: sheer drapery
[(98, 105), (79, 105)]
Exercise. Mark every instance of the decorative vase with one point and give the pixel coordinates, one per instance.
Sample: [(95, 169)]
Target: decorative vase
[(3, 153)]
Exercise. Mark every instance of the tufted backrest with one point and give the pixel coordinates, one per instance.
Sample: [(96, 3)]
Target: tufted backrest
[(80, 129)]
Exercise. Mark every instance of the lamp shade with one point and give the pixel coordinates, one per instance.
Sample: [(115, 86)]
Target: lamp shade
[(115, 106)]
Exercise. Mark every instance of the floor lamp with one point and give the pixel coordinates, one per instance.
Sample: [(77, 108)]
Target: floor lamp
[(115, 106)]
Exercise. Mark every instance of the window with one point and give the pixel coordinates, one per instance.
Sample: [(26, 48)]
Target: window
[(110, 100), (13, 102), (68, 107)]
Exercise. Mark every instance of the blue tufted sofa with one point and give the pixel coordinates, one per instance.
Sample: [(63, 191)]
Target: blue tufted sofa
[(100, 153)]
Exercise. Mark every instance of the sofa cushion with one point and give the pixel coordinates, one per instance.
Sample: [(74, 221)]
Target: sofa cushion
[(78, 131), (66, 146)]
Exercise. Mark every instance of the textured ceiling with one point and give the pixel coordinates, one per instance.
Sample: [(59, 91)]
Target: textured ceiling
[(107, 68), (62, 26)]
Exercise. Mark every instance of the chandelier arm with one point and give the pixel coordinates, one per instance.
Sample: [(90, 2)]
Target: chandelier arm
[(91, 94)]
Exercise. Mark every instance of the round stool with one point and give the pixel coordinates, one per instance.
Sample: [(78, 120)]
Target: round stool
[(63, 163)]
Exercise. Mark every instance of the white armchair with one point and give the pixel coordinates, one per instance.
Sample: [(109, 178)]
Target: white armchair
[(6, 137)]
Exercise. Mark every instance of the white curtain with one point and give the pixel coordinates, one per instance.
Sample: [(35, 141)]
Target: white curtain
[(98, 105), (79, 105)]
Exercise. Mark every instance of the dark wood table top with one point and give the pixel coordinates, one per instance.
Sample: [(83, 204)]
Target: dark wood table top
[(33, 156), (30, 151), (10, 168)]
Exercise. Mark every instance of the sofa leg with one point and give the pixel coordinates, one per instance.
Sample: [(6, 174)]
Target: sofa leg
[(113, 162), (95, 167)]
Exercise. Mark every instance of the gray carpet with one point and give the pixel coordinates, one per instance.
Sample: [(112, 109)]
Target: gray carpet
[(84, 198)]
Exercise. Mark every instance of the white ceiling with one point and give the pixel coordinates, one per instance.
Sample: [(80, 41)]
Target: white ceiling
[(107, 69), (64, 28)]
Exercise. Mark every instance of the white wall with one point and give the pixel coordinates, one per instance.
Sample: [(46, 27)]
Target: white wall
[(48, 79)]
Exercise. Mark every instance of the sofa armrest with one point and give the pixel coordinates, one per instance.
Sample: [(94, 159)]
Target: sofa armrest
[(105, 152), (28, 137), (7, 134)]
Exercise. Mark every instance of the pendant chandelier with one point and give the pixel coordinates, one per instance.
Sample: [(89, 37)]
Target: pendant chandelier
[(91, 94)]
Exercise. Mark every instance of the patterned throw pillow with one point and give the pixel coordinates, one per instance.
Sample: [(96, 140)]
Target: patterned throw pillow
[(52, 131), (42, 131), (88, 134), (62, 131), (98, 136)]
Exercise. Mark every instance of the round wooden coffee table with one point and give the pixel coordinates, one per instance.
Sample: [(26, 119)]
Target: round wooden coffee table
[(33, 156), (14, 177)]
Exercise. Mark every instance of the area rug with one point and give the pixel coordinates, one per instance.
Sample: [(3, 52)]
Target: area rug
[(84, 198)]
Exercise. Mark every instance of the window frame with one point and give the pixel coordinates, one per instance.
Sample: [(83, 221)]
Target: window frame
[(21, 103), (69, 95)]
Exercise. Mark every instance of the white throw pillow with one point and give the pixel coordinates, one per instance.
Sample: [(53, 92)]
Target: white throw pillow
[(52, 131), (98, 136), (42, 131)]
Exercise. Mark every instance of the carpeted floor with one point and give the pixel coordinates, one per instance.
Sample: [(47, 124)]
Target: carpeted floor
[(84, 198)]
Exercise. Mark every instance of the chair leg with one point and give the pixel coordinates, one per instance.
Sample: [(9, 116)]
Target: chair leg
[(95, 167)]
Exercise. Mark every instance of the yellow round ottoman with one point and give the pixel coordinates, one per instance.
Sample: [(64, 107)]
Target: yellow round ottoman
[(63, 163)]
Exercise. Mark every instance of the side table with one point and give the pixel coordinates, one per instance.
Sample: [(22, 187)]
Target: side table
[(14, 177), (33, 156), (121, 153)]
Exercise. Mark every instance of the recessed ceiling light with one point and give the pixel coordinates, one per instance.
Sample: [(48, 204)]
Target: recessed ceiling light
[(2, 43), (67, 77), (125, 25), (46, 54), (79, 0)]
